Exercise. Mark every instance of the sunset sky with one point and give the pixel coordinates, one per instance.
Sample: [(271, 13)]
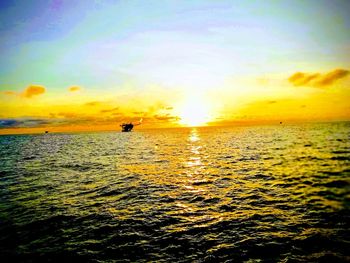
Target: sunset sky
[(90, 65)]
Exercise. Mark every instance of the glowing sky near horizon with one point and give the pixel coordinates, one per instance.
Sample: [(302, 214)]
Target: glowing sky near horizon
[(108, 61)]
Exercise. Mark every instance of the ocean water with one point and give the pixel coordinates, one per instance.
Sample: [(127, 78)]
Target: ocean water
[(216, 194)]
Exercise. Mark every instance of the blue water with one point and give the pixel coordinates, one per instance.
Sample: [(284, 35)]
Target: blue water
[(236, 194)]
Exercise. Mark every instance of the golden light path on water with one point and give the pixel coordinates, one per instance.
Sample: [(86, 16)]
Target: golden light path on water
[(194, 173)]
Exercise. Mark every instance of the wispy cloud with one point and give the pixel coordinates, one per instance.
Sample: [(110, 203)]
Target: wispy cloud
[(23, 122), (9, 92), (110, 110), (68, 115), (7, 123), (332, 76), (138, 112), (271, 102), (317, 79), (302, 79), (92, 103), (74, 88), (166, 117)]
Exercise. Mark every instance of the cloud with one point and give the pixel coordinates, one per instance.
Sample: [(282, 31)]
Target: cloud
[(117, 114), (30, 91), (302, 79), (7, 123), (61, 119), (68, 115), (74, 88), (92, 103), (33, 90), (332, 76), (9, 92), (317, 79), (166, 117), (23, 122), (109, 110)]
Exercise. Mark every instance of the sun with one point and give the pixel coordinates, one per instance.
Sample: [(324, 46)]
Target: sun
[(194, 111)]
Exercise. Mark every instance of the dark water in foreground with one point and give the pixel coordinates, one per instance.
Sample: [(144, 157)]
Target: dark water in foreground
[(241, 194)]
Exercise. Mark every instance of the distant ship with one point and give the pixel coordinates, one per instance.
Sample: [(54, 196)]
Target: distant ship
[(127, 127)]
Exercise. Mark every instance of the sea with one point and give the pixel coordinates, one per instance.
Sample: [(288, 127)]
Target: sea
[(271, 193)]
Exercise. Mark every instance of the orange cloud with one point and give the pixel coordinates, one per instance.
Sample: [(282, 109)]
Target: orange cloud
[(33, 90), (10, 93), (166, 117), (92, 103), (317, 79), (110, 110), (271, 102), (74, 88), (332, 76), (68, 115), (138, 112)]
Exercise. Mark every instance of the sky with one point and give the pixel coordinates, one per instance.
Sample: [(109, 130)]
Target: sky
[(91, 65)]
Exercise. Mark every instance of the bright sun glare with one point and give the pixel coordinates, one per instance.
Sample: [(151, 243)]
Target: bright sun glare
[(194, 112)]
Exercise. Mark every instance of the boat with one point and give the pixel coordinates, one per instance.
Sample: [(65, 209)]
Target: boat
[(127, 127)]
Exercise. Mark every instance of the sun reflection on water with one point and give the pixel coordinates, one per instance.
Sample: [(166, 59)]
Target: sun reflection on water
[(193, 137), (194, 159)]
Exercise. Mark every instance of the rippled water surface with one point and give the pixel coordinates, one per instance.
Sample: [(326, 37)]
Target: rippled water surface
[(238, 194)]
